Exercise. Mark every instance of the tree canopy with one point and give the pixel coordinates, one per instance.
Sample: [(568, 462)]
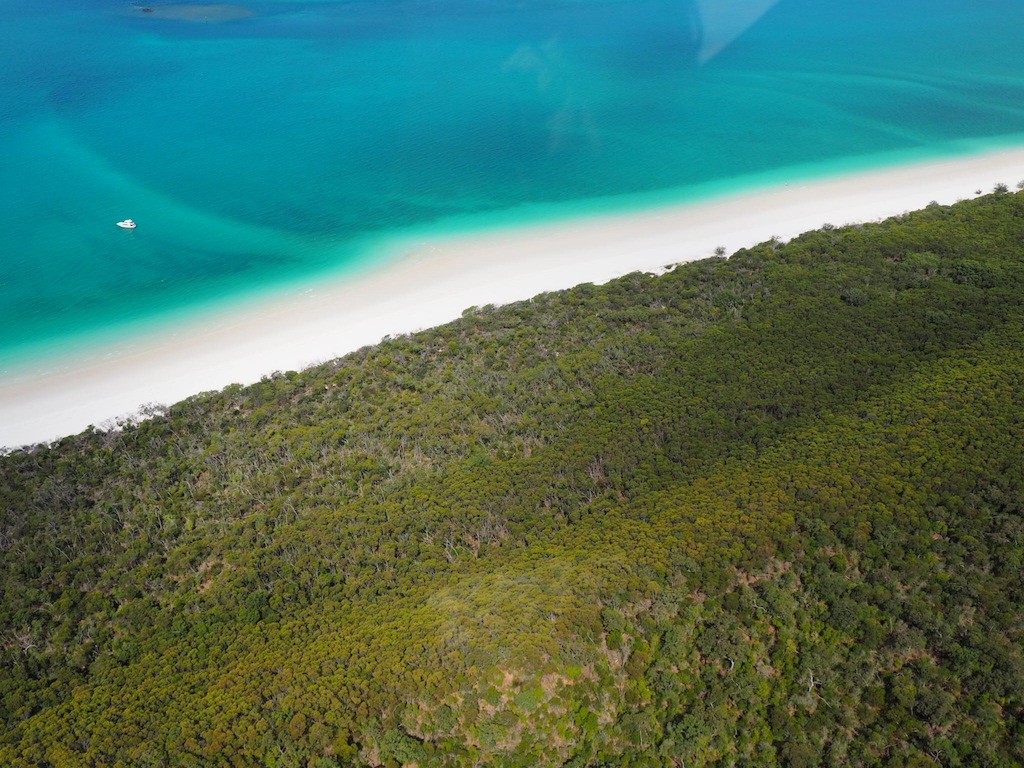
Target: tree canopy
[(763, 510)]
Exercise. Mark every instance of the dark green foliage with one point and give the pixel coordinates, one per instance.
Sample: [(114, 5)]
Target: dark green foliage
[(757, 511)]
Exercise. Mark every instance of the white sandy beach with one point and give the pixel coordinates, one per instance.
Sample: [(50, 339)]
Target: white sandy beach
[(429, 283)]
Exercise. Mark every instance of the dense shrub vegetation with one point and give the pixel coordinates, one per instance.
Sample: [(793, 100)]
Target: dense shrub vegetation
[(757, 511)]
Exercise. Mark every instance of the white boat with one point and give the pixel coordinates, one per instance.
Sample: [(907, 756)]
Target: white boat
[(126, 224)]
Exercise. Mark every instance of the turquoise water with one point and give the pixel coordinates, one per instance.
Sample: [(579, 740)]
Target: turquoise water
[(268, 149)]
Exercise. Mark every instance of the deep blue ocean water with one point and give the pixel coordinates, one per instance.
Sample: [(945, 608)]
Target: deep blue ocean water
[(262, 150)]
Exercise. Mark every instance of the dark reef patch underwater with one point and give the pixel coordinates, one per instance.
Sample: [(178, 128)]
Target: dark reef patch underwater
[(215, 12)]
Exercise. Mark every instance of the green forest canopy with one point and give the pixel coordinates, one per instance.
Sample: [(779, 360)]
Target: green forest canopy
[(757, 511)]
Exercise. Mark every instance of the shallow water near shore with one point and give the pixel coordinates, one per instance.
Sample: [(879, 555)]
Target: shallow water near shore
[(263, 150)]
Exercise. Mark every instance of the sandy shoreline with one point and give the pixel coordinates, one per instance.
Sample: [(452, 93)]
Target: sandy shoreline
[(431, 282)]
